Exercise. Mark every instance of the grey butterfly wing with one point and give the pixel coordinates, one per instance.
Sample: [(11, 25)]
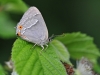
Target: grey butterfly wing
[(29, 15), (37, 33), (35, 29)]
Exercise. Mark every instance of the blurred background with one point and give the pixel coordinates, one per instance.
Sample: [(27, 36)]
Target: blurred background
[(61, 16)]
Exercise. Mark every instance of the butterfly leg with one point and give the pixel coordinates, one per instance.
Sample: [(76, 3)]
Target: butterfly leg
[(42, 47), (46, 47), (33, 46)]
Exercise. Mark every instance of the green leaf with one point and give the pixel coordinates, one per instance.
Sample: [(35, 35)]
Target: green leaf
[(2, 72), (97, 68), (7, 1), (61, 51), (80, 45), (33, 61), (6, 26), (14, 5)]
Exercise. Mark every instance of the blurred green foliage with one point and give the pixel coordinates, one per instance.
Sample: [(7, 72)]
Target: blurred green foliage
[(13, 5), (80, 45), (6, 23), (6, 26), (61, 17), (2, 71)]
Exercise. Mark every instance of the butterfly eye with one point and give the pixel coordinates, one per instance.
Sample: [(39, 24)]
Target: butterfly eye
[(20, 27)]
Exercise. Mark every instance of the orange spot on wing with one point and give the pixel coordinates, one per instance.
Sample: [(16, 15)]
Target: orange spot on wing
[(19, 34), (20, 27)]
